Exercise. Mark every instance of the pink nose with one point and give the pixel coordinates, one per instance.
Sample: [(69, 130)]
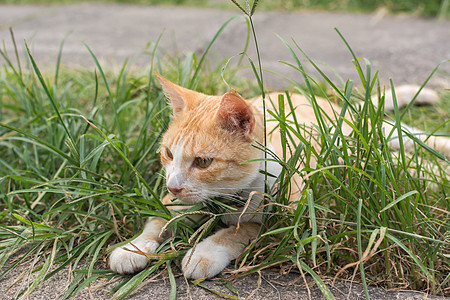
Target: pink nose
[(174, 191)]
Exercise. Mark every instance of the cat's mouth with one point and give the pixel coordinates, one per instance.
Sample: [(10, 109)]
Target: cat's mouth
[(236, 199), (191, 197), (189, 200)]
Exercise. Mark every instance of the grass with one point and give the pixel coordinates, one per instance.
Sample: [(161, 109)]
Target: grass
[(429, 8), (79, 172)]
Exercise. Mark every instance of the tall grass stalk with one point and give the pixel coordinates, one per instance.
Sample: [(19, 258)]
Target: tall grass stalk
[(258, 72)]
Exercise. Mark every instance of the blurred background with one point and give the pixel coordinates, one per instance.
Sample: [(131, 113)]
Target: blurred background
[(404, 39), (428, 8)]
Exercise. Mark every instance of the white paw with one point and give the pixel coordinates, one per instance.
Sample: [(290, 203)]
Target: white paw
[(123, 261), (207, 260)]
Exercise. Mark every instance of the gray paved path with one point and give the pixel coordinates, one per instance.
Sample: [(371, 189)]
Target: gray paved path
[(404, 48)]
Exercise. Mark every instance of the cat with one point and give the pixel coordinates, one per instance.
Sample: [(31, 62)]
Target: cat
[(202, 152)]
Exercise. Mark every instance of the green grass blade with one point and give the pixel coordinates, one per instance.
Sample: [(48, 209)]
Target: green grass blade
[(320, 284), (412, 256), (134, 281), (116, 121), (193, 81), (360, 251), (43, 143), (173, 284), (404, 196)]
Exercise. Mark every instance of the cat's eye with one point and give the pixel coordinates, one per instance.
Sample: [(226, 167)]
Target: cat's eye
[(202, 163), (168, 153)]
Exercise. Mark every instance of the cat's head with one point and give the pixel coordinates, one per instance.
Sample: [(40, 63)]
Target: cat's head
[(207, 142)]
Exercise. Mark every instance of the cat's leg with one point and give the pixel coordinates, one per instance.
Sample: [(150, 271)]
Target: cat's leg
[(405, 93), (124, 261), (214, 253), (130, 258), (439, 143)]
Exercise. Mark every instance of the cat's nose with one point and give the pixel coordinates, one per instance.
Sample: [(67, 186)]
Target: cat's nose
[(174, 191)]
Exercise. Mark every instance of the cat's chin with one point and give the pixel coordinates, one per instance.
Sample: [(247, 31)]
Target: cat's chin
[(189, 201)]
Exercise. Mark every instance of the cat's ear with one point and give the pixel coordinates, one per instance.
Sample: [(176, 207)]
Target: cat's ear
[(180, 98), (235, 114)]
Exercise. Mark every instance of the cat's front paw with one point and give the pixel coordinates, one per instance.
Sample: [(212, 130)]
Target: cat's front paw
[(207, 260), (123, 261)]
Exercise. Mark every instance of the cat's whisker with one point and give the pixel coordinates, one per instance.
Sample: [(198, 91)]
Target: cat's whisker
[(238, 200)]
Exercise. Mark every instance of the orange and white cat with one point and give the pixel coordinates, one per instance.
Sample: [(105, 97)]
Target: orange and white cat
[(203, 151)]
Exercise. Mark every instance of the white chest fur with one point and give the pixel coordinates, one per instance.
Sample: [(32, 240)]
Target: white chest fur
[(253, 194)]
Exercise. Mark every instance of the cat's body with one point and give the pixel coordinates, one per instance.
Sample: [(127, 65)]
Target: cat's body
[(203, 152)]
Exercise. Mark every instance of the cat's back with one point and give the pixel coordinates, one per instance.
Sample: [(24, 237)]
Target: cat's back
[(304, 111)]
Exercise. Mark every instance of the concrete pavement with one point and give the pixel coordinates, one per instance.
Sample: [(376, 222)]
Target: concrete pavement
[(402, 47)]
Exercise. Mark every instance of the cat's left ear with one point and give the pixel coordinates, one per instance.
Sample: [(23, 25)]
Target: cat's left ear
[(180, 98), (235, 114)]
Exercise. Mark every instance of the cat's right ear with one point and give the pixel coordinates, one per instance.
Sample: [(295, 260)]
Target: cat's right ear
[(175, 94), (235, 114)]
